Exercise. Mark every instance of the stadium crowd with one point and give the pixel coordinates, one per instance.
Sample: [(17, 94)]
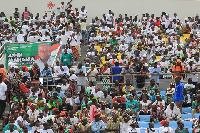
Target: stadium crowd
[(86, 97)]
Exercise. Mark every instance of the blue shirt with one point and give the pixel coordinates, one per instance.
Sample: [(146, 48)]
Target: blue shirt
[(178, 94), (116, 70), (97, 126), (44, 72)]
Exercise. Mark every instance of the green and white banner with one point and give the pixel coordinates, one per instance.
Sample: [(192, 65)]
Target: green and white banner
[(28, 54)]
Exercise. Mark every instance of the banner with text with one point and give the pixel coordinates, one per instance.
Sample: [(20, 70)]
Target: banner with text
[(28, 54)]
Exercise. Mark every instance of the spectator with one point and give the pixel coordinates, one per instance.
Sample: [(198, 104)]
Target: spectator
[(165, 127), (178, 94), (156, 114), (66, 59), (172, 112), (116, 70), (47, 72), (132, 104), (181, 127), (97, 125)]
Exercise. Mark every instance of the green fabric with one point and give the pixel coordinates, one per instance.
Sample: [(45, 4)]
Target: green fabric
[(182, 131), (7, 128), (66, 59), (86, 68), (194, 105), (40, 108), (113, 42), (58, 100), (83, 105), (52, 105)]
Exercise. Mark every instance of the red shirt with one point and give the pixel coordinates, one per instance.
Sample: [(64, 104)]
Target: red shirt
[(118, 31), (122, 99), (157, 23)]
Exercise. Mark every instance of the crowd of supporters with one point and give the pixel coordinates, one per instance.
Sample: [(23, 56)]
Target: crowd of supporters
[(87, 97)]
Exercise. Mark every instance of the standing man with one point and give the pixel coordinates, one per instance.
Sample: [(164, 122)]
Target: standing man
[(3, 97), (155, 70), (178, 95), (47, 72), (116, 70), (66, 59), (92, 73), (80, 72)]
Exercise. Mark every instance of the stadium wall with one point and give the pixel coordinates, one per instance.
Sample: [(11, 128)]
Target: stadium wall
[(98, 7)]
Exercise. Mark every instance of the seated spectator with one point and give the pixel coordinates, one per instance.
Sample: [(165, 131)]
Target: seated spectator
[(172, 113), (169, 95), (97, 125), (118, 98), (105, 98), (113, 125), (159, 102), (156, 114), (11, 129), (134, 127), (151, 88), (125, 125), (151, 128), (144, 105), (165, 127), (128, 88), (84, 126), (196, 106), (96, 92), (132, 104), (181, 128)]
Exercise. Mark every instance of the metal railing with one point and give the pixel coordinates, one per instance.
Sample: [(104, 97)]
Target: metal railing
[(133, 77)]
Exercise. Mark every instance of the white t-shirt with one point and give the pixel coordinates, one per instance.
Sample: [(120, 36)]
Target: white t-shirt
[(3, 89), (8, 131), (165, 129), (145, 104), (64, 87), (22, 120)]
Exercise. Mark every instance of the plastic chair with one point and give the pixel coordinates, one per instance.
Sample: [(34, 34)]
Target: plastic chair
[(143, 124), (173, 124), (157, 125), (197, 115), (103, 58), (186, 110), (144, 118), (186, 116), (162, 93), (186, 35), (97, 48), (158, 57), (157, 129), (190, 130), (188, 124), (143, 130)]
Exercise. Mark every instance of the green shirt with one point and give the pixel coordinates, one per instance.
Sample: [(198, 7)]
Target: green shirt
[(113, 42), (66, 59), (195, 105), (134, 105), (58, 101)]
